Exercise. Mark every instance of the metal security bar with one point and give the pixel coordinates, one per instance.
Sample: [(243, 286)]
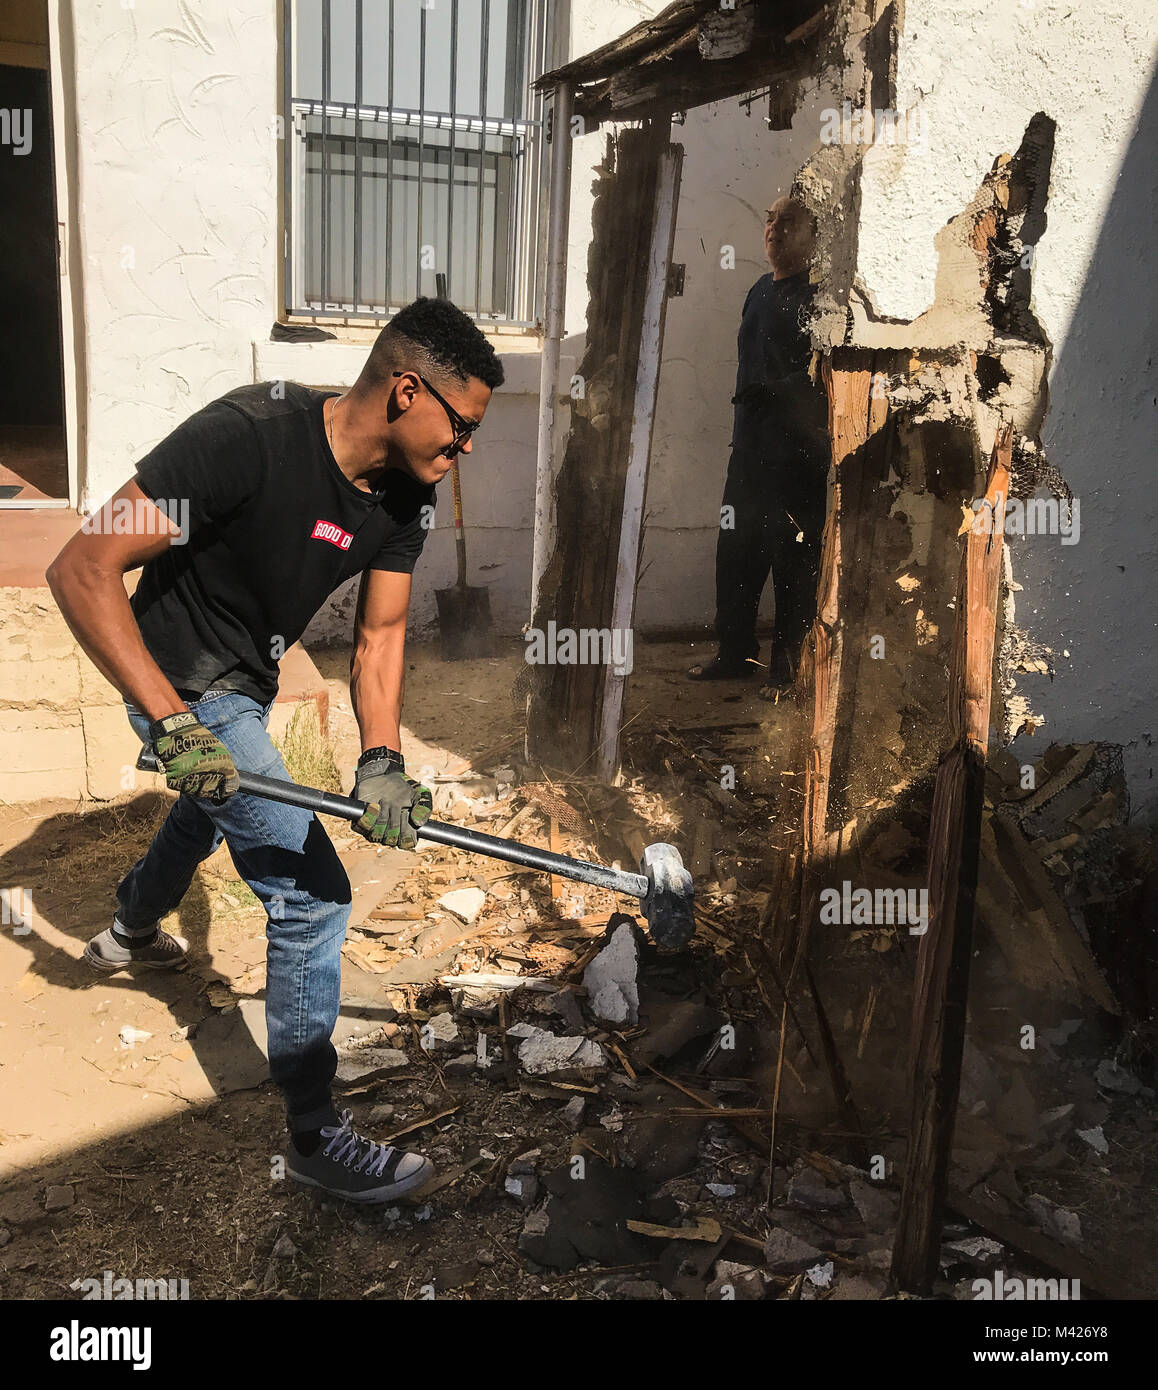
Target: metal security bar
[(415, 150)]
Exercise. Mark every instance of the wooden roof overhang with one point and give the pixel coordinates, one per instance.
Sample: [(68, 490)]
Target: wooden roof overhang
[(695, 52)]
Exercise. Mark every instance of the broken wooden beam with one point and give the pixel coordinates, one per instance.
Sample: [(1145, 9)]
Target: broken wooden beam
[(942, 983)]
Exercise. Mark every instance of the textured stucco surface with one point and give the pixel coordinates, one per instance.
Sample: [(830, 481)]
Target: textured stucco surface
[(979, 72), (177, 171)]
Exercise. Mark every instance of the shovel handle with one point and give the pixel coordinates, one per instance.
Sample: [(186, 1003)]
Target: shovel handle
[(459, 532), (493, 846)]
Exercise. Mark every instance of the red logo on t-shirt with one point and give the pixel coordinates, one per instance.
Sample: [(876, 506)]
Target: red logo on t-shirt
[(327, 531)]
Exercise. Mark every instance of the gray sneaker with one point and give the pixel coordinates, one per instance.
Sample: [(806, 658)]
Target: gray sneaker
[(105, 953), (350, 1166)]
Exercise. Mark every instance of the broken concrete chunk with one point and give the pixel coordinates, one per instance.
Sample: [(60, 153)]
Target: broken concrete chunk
[(440, 1033), (524, 1163), (611, 979), (877, 1205), (736, 1283), (524, 1188), (59, 1198), (572, 1113), (542, 1052), (563, 1003), (464, 1065), (350, 1029), (1055, 1221), (1111, 1077), (979, 1248), (1095, 1139), (809, 1190), (476, 1003), (820, 1275), (368, 1063), (785, 1253), (463, 903)]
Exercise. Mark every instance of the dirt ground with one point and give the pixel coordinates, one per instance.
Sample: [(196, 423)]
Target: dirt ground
[(156, 1154), (167, 1142)]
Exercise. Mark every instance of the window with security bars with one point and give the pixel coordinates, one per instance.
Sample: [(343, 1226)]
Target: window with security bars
[(415, 156)]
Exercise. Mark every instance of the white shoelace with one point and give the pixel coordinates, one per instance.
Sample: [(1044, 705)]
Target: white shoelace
[(345, 1145)]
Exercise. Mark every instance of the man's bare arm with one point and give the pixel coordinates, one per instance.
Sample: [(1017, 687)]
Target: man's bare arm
[(87, 580), (378, 662)]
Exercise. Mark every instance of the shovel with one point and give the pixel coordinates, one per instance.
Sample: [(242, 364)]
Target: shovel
[(464, 612)]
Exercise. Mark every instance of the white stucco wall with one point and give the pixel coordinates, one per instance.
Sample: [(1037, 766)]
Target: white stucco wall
[(177, 198), (979, 72), (177, 209)]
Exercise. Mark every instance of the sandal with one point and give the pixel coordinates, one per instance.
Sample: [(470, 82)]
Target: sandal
[(717, 670)]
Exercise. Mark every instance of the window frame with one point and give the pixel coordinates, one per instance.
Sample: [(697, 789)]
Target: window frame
[(524, 242)]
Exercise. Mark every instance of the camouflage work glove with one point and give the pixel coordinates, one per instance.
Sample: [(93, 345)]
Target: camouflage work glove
[(194, 760), (395, 804)]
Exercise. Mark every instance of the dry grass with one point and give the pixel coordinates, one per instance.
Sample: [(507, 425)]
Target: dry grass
[(307, 753)]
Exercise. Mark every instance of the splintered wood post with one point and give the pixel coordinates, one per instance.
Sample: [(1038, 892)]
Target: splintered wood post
[(578, 587), (942, 981), (857, 420), (639, 453), (857, 417)]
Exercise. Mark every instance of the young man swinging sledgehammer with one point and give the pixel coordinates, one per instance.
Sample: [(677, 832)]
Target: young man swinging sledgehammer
[(285, 492)]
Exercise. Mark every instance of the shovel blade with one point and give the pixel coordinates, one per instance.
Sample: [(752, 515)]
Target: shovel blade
[(464, 622)]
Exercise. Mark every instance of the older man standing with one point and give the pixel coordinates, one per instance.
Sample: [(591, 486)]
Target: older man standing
[(776, 490)]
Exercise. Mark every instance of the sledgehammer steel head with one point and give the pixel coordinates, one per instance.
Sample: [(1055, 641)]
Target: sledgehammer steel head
[(668, 904)]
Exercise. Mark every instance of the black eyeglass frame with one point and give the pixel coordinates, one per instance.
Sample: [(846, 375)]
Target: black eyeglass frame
[(463, 428)]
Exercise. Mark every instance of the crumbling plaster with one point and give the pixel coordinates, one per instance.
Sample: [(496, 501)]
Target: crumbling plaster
[(979, 73)]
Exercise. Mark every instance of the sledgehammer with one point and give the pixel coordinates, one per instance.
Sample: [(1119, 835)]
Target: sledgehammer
[(663, 886)]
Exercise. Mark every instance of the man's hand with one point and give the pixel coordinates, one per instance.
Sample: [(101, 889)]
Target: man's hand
[(194, 760), (395, 804)]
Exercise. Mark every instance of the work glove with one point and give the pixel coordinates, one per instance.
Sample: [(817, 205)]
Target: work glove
[(395, 804), (194, 760)]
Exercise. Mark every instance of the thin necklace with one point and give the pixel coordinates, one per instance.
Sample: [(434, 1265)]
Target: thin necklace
[(330, 426)]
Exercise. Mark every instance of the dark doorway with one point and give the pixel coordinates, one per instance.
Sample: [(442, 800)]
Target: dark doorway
[(33, 460)]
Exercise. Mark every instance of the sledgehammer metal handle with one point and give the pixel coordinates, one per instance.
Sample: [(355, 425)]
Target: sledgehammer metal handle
[(328, 804)]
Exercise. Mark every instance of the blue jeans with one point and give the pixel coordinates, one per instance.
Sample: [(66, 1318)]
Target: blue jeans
[(286, 857)]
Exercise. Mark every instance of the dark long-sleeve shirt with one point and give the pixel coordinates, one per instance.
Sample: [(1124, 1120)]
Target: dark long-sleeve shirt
[(780, 414)]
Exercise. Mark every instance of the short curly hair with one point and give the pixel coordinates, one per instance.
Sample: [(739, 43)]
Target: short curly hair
[(435, 337)]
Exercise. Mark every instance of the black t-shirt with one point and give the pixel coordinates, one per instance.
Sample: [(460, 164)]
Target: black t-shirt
[(779, 411), (274, 527)]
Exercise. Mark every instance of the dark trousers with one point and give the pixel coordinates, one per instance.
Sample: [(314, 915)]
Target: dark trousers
[(771, 503)]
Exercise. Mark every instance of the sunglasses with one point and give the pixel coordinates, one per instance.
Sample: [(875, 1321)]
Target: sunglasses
[(463, 429)]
